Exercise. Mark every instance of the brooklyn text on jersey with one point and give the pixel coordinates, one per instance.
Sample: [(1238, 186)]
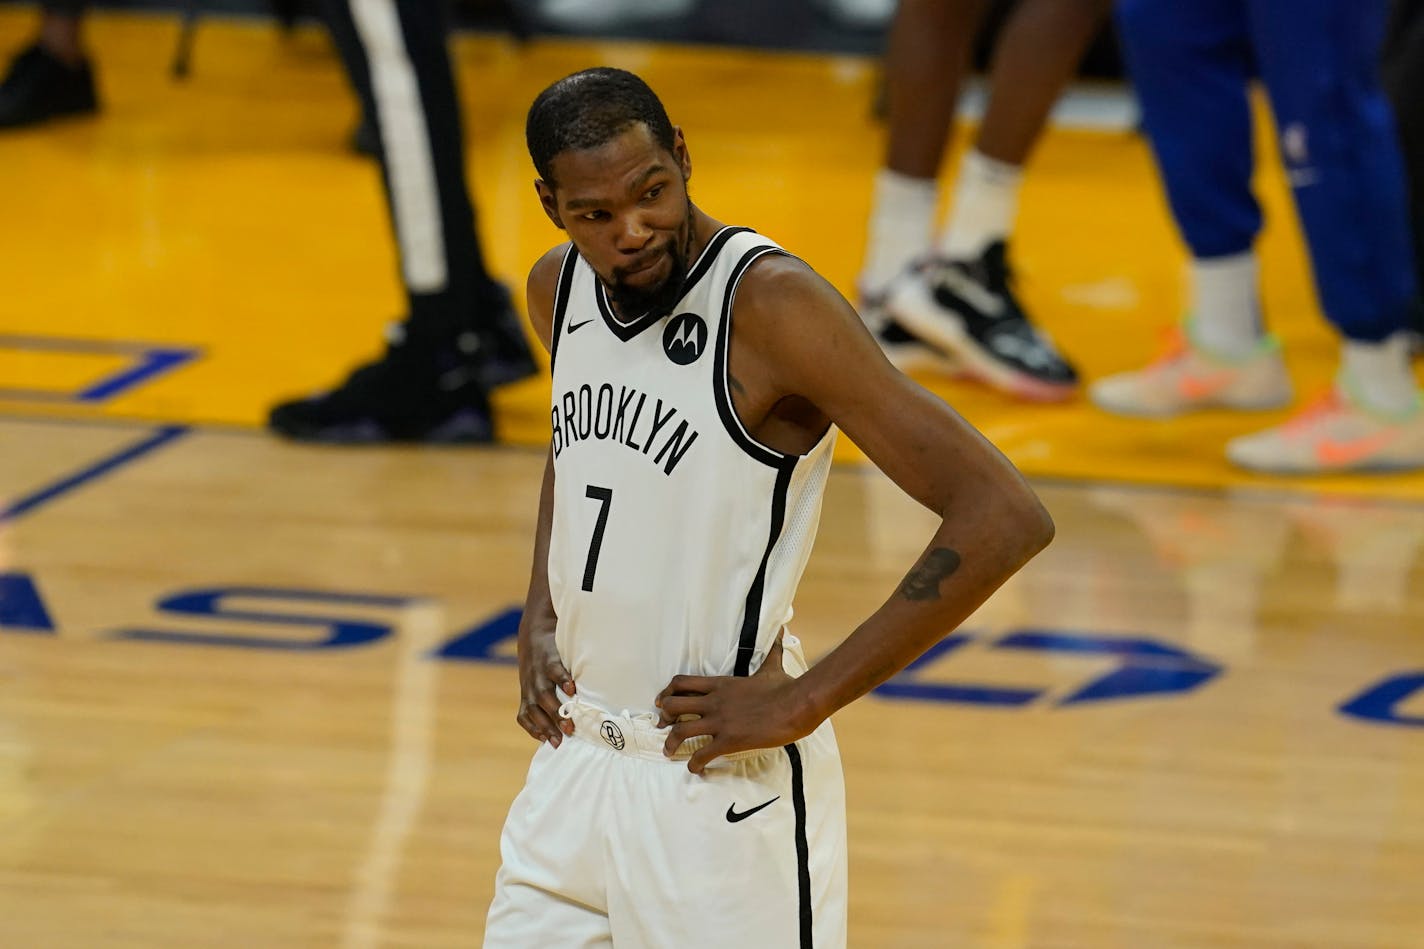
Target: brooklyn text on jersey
[(620, 416)]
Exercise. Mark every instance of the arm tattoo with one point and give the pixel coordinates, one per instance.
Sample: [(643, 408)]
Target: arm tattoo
[(737, 386), (923, 581)]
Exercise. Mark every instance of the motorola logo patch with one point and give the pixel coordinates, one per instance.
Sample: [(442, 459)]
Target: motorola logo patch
[(612, 734), (684, 338)]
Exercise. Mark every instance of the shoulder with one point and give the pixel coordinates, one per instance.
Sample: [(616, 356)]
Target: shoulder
[(806, 336), (781, 293), (541, 288)]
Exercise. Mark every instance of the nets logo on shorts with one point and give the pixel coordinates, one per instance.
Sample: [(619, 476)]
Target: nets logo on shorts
[(612, 734), (684, 338)]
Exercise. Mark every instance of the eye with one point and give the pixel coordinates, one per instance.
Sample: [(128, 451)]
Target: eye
[(594, 215), (654, 193)]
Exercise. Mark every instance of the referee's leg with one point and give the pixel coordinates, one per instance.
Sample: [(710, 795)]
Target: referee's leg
[(462, 336), (395, 53)]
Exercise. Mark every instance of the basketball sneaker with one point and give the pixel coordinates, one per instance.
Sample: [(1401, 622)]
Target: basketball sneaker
[(904, 350), (419, 390), (968, 311), (41, 86), (1336, 434), (1188, 377)]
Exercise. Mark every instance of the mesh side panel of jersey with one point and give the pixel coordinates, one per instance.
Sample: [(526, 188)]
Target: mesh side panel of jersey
[(793, 549)]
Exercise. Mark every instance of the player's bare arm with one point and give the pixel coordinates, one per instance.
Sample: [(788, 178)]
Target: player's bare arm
[(803, 360), (541, 670)]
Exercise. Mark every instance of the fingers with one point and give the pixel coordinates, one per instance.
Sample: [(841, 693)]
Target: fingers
[(538, 724), (682, 731), (686, 685), (772, 664), (560, 676), (675, 706), (704, 756), (549, 703)]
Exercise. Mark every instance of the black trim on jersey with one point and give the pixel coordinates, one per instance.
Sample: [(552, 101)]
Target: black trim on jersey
[(721, 390), (803, 849), (626, 331), (709, 255), (561, 301), (751, 617)]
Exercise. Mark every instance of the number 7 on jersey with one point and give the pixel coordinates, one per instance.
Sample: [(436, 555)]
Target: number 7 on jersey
[(604, 497)]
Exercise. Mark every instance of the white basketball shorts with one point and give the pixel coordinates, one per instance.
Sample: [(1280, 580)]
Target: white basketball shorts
[(611, 844)]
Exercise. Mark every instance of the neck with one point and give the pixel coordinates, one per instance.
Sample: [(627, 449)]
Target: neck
[(703, 227)]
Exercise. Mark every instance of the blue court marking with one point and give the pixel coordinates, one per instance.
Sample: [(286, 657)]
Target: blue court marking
[(32, 502), (149, 362)]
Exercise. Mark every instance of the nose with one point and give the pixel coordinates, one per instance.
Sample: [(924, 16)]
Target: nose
[(634, 235)]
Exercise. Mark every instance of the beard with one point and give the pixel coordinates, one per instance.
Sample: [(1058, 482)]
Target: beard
[(635, 302)]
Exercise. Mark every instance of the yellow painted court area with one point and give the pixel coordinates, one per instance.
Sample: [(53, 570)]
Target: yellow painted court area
[(224, 213)]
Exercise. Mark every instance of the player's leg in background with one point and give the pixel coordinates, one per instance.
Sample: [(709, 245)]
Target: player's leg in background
[(927, 55), (1191, 64), (960, 301), (1404, 83), (461, 336), (52, 77), (1319, 60)]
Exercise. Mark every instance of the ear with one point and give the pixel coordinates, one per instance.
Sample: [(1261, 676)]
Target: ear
[(680, 152), (548, 202)]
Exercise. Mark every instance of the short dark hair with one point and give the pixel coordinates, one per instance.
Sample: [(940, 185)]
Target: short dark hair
[(589, 109)]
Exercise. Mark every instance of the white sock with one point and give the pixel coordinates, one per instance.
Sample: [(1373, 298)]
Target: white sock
[(1379, 374), (986, 199), (901, 222), (1226, 309)]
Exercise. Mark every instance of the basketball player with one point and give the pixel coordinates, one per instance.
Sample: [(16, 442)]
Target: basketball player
[(948, 302), (1319, 62), (687, 791)]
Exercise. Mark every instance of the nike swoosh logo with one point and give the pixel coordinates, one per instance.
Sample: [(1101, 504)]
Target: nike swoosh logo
[(574, 326), (733, 816), (1343, 454)]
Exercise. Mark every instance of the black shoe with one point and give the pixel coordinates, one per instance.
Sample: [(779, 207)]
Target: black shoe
[(421, 390), (968, 310), (413, 393), (40, 86), (500, 349)]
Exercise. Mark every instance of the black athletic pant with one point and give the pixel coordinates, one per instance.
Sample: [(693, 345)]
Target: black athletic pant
[(1404, 82), (395, 53)]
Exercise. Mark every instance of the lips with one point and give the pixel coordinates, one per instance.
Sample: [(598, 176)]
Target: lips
[(639, 272)]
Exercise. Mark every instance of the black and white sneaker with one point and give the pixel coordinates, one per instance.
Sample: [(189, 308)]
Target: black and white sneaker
[(904, 350), (968, 311), (419, 390), (40, 86)]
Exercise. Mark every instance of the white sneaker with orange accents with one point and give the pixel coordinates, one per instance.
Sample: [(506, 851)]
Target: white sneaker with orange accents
[(1337, 434), (1188, 377)]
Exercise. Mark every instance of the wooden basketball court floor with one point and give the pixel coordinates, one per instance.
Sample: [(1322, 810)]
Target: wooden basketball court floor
[(254, 694)]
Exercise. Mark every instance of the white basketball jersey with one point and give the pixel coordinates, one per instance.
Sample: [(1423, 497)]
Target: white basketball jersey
[(677, 538)]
